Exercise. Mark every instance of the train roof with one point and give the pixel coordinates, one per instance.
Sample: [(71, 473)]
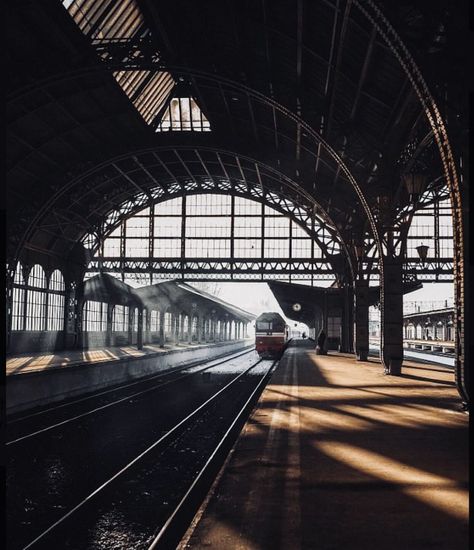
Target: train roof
[(270, 316)]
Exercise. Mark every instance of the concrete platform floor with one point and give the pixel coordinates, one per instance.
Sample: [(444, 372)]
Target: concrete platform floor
[(34, 362), (337, 455)]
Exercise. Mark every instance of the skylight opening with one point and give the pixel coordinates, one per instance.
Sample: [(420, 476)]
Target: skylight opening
[(183, 114), (106, 19), (111, 21), (153, 96)]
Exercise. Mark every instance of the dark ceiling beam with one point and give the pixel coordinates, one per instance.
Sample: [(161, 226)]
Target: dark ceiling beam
[(196, 152), (26, 172), (223, 167), (151, 7), (259, 177), (56, 102), (268, 57), (299, 64), (148, 173), (184, 165), (166, 169), (42, 250), (242, 173), (252, 118), (236, 36), (101, 197), (298, 135), (399, 107), (201, 101), (316, 165), (138, 187), (332, 49), (226, 105), (299, 46), (332, 81), (66, 218), (363, 74), (64, 221), (35, 150)]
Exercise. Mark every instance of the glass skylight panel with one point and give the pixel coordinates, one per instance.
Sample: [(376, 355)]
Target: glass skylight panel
[(131, 81), (106, 19), (154, 95), (183, 115), (112, 21)]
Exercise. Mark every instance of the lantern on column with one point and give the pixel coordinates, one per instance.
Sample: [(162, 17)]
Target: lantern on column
[(422, 252)]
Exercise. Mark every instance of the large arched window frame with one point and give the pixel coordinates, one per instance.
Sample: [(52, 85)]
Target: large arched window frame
[(94, 316), (36, 293), (214, 232), (56, 300), (120, 318), (38, 303), (18, 300)]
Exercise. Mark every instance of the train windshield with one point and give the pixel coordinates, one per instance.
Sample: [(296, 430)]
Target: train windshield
[(264, 325)]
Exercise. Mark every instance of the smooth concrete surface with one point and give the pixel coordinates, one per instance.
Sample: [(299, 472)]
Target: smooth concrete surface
[(336, 455), (38, 380)]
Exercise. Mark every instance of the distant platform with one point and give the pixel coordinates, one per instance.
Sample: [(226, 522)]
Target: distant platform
[(438, 358)]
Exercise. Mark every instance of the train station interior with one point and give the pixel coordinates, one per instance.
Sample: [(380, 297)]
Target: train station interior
[(176, 169)]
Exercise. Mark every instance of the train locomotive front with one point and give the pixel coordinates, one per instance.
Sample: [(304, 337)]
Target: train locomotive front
[(271, 335)]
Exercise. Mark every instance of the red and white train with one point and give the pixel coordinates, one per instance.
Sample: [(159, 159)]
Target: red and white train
[(271, 335)]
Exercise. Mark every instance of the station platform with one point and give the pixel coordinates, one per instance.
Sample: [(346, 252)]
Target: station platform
[(34, 380), (338, 455), (34, 362)]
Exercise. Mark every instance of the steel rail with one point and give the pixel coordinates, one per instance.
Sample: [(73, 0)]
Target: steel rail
[(140, 456), (123, 386), (184, 500), (111, 404)]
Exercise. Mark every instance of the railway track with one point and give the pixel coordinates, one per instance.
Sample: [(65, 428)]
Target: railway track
[(144, 500), (24, 426)]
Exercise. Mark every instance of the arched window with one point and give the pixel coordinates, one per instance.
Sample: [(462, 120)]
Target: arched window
[(120, 319), (36, 299), (18, 300), (56, 301), (216, 225), (94, 316), (168, 320), (135, 320), (154, 321)]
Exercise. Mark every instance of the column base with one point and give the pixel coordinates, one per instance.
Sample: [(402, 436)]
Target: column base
[(394, 367)]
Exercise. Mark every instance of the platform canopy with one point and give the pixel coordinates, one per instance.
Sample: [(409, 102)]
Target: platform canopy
[(186, 298), (174, 295), (304, 303), (105, 288)]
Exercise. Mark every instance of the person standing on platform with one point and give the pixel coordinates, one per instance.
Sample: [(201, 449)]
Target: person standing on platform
[(320, 343)]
